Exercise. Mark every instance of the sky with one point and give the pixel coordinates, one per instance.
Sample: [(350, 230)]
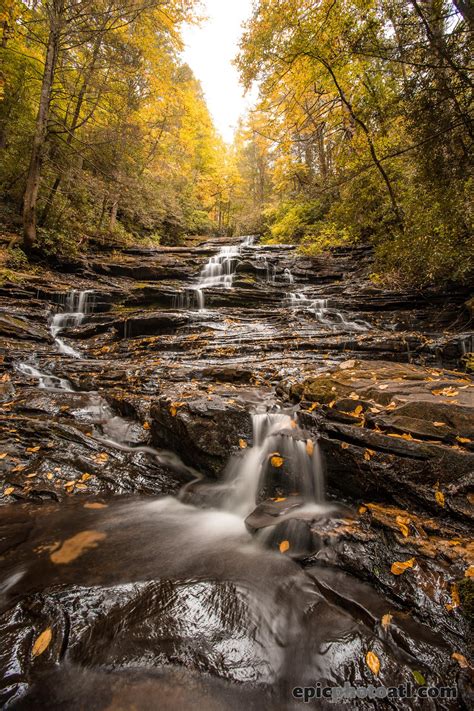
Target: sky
[(209, 51)]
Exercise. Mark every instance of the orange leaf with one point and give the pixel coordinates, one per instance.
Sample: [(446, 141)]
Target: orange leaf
[(398, 567), (276, 461), (439, 424), (373, 662), (464, 440), (386, 620), (358, 410), (284, 546), (439, 496), (42, 642), (146, 425), (242, 444), (344, 445), (469, 572), (174, 408), (9, 490), (73, 547), (95, 505), (460, 659)]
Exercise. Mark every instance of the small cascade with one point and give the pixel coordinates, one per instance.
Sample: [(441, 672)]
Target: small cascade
[(325, 315), (274, 433), (45, 380), (77, 304), (217, 273), (288, 276)]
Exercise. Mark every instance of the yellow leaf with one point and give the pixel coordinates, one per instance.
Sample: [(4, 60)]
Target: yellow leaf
[(85, 476), (146, 425), (280, 498), (3, 455), (446, 392), (362, 509), (95, 505), (464, 440), (42, 642), (313, 406), (398, 567), (242, 444), (460, 659), (344, 445), (358, 410), (309, 447), (386, 620), (174, 408), (439, 424), (469, 572), (402, 522), (33, 449), (368, 454), (439, 496), (9, 490), (276, 461), (455, 599), (373, 662), (284, 546), (405, 435), (332, 403), (73, 547), (49, 475)]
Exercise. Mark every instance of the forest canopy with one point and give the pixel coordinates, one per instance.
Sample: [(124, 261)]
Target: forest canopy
[(362, 131)]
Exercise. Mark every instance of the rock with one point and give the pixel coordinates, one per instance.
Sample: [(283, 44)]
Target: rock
[(16, 327)]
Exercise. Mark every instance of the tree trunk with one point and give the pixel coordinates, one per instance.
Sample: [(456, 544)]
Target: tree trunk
[(30, 198)]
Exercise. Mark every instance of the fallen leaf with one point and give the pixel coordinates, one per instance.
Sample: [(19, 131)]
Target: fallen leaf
[(313, 406), (469, 572), (284, 546), (86, 476), (383, 387), (373, 662), (405, 435), (464, 440), (446, 392), (9, 490), (276, 461), (439, 424), (42, 642), (146, 425), (174, 408), (362, 509), (439, 496), (368, 454), (344, 445), (460, 659), (49, 475), (3, 455), (73, 547), (419, 678), (402, 523), (101, 457), (399, 567), (95, 505), (242, 444), (33, 449), (358, 410), (309, 447), (386, 620)]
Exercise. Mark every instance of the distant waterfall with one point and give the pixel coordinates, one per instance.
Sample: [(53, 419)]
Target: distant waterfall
[(78, 304)]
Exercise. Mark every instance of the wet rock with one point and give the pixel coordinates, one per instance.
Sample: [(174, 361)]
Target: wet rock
[(150, 324), (19, 328)]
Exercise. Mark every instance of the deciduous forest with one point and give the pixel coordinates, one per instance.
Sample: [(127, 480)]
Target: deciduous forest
[(236, 386)]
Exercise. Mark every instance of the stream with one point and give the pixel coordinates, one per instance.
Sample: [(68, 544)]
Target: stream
[(175, 523)]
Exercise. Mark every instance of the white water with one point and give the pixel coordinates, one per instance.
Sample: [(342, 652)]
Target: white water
[(78, 304), (45, 381), (220, 270), (325, 315), (274, 433)]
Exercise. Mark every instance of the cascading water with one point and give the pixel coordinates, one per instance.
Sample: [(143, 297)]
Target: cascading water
[(78, 304), (45, 380), (324, 314), (274, 433)]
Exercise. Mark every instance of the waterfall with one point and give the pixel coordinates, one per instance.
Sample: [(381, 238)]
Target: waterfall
[(217, 273), (45, 380), (274, 433), (325, 315), (78, 304), (289, 276)]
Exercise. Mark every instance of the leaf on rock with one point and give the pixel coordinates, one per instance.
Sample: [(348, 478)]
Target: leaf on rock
[(402, 523), (280, 498), (439, 424), (469, 573), (386, 620), (368, 454), (95, 505), (243, 444), (313, 406), (419, 678), (373, 662), (276, 461), (362, 509), (33, 449), (399, 567), (460, 659), (464, 440), (284, 546), (42, 642), (174, 407), (344, 445), (73, 547), (446, 392), (3, 455), (359, 409), (9, 490), (146, 425), (439, 496)]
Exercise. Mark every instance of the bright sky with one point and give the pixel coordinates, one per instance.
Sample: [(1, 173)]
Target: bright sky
[(209, 52)]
